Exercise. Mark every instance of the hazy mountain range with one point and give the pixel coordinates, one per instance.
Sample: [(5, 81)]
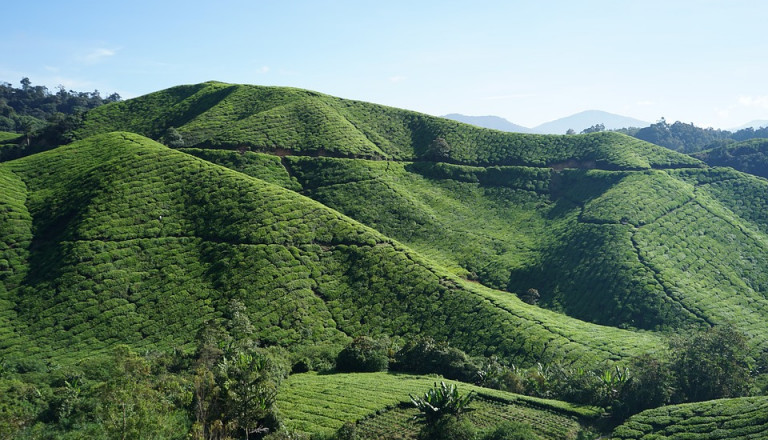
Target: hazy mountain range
[(577, 122)]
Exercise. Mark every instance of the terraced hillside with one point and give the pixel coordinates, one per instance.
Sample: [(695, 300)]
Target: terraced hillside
[(117, 239), (293, 121), (321, 404), (621, 248), (726, 419), (749, 156)]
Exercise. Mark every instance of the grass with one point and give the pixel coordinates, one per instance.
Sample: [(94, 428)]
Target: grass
[(731, 419), (322, 403)]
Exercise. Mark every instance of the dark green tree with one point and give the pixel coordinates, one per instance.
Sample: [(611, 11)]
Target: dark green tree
[(711, 364)]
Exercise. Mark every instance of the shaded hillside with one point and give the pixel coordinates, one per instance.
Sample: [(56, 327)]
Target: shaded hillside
[(726, 419), (749, 156), (646, 249), (293, 121), (117, 239)]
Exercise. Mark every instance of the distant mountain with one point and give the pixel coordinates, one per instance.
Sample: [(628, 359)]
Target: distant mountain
[(493, 122), (588, 118), (757, 123)]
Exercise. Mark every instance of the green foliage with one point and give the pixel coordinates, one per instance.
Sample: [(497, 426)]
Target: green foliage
[(511, 431), (748, 156), (448, 428), (712, 364), (442, 401), (323, 403), (725, 419), (364, 354), (424, 355)]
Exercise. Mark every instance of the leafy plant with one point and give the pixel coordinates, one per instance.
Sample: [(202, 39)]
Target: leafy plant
[(440, 401)]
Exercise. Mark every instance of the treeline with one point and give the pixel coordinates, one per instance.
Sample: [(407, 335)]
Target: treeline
[(688, 138), (29, 107)]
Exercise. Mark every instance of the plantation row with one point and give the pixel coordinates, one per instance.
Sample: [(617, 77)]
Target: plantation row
[(727, 419), (322, 403)]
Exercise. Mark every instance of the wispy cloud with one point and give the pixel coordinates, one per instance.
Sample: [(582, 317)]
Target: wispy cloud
[(97, 55), (397, 78), (263, 69), (754, 101), (645, 103)]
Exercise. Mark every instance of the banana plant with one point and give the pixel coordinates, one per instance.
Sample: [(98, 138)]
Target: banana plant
[(441, 401)]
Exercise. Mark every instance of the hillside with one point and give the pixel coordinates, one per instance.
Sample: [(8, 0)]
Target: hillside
[(287, 121), (117, 239), (617, 248), (748, 156), (726, 419)]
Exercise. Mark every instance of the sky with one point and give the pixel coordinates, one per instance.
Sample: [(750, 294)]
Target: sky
[(527, 61)]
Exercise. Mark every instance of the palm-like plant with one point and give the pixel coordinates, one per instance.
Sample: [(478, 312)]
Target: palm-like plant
[(442, 400)]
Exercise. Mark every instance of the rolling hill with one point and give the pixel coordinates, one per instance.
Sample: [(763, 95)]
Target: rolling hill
[(118, 239), (329, 219)]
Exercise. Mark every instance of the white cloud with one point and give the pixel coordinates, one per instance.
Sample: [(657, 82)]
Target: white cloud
[(99, 54), (263, 69), (397, 78), (645, 103), (754, 101)]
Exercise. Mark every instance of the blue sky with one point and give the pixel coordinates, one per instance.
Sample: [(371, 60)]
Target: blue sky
[(527, 61)]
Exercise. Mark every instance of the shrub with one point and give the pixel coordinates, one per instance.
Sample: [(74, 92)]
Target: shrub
[(511, 431), (364, 354), (424, 356), (448, 428)]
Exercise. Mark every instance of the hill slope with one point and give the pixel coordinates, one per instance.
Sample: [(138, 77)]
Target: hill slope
[(748, 156), (620, 248), (117, 239), (726, 419), (292, 121)]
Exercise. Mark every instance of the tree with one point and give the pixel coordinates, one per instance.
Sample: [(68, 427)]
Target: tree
[(172, 138), (594, 129), (364, 354), (249, 388), (438, 150), (570, 131), (531, 296), (712, 364)]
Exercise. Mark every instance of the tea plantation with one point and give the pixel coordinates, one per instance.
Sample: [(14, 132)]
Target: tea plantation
[(276, 225), (731, 419), (317, 403)]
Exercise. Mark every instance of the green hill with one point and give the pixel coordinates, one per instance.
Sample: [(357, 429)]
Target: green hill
[(293, 121), (731, 419), (620, 248), (748, 156), (117, 239)]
